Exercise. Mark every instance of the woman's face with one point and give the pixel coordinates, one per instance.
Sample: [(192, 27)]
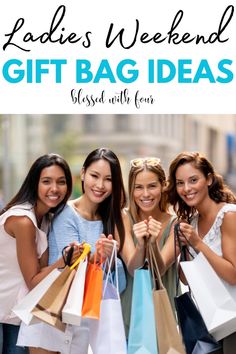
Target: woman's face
[(191, 185), (52, 187), (97, 181), (147, 191)]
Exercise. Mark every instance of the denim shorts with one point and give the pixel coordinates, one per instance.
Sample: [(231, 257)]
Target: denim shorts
[(8, 338)]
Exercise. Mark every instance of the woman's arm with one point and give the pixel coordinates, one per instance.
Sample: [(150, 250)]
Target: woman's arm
[(225, 265), (133, 255), (23, 230)]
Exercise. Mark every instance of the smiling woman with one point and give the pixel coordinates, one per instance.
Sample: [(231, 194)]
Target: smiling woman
[(207, 208), (52, 188), (24, 224), (147, 219), (96, 218)]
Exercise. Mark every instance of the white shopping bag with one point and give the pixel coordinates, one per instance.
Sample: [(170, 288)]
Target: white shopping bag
[(71, 312), (107, 335), (215, 298), (25, 306)]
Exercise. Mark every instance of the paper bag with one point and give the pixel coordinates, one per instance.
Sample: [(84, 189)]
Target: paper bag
[(25, 306), (107, 335), (71, 312), (215, 298), (93, 291), (168, 338)]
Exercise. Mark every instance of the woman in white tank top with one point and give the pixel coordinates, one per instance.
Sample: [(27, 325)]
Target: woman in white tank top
[(208, 207), (23, 238)]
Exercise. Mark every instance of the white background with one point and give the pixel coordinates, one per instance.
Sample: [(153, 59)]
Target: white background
[(201, 17)]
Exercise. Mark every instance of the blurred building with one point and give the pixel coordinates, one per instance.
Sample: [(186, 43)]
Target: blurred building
[(25, 137)]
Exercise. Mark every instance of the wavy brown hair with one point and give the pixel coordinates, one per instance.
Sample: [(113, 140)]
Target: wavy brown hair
[(218, 190)]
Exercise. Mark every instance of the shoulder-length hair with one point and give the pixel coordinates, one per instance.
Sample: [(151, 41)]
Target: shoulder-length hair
[(110, 209), (134, 171), (28, 191), (218, 190)]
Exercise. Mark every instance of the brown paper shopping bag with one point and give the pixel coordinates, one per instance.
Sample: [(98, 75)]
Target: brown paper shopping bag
[(168, 338), (49, 308)]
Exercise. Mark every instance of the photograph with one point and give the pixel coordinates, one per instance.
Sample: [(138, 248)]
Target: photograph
[(108, 181)]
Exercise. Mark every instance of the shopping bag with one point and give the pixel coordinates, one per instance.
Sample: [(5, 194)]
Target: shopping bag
[(142, 333), (25, 306), (229, 344), (215, 299), (121, 275), (107, 335), (49, 307), (196, 337), (93, 290), (71, 312), (168, 337)]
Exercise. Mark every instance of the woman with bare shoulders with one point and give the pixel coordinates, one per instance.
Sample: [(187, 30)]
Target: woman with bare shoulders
[(208, 208)]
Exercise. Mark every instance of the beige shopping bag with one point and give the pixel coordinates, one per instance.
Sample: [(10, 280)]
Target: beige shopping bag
[(49, 308), (168, 337)]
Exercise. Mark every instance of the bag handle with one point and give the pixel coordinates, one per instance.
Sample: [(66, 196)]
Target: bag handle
[(67, 255), (156, 277), (184, 252), (112, 258), (84, 254)]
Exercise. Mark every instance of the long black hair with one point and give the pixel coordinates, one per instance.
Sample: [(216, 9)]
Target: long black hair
[(28, 191), (110, 210)]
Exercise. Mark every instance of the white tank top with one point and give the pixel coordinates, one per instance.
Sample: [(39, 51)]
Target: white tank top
[(213, 238), (12, 284)]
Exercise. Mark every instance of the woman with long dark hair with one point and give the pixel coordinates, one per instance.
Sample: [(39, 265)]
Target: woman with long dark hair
[(96, 218), (24, 223), (207, 208)]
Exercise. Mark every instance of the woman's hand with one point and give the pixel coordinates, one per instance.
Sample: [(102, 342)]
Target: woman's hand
[(104, 246), (141, 232), (147, 229), (78, 249), (189, 236), (154, 228)]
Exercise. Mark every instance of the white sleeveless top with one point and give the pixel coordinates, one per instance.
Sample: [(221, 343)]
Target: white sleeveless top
[(213, 238), (12, 284)]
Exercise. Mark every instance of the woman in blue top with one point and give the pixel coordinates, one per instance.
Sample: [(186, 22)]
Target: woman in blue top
[(96, 218)]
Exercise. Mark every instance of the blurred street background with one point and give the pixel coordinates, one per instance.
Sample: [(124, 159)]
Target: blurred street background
[(25, 137)]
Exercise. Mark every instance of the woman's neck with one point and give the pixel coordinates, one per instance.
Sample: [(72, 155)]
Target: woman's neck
[(85, 208), (39, 213), (209, 207)]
